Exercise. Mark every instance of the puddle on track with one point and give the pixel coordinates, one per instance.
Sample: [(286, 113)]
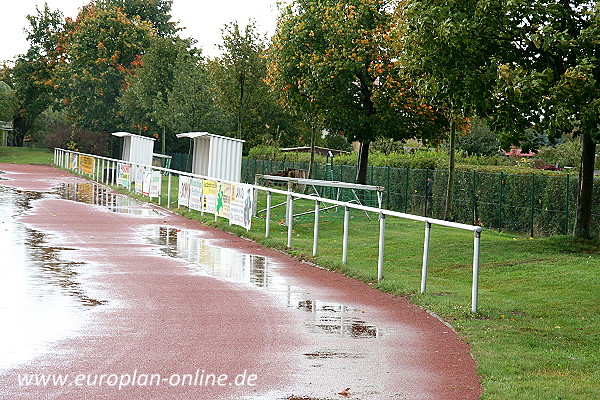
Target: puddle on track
[(41, 299), (321, 317), (93, 193)]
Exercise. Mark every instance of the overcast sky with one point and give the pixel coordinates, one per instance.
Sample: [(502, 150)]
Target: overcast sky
[(202, 19)]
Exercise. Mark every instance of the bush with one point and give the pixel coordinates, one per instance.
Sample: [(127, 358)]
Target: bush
[(480, 141)]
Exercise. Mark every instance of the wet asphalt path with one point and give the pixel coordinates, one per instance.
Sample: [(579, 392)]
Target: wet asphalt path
[(131, 302)]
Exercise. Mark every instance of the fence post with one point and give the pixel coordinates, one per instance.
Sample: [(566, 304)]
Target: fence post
[(290, 213), (316, 228), (567, 206), (475, 290), (406, 191), (381, 246), (388, 201), (169, 192), (345, 240), (474, 199), (532, 203), (425, 256), (501, 200), (268, 217)]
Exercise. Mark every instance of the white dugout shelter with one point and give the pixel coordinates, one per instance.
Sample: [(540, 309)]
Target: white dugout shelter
[(136, 148), (216, 156)]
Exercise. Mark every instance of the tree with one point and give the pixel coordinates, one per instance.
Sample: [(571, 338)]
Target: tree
[(445, 49), (332, 61), (33, 72), (549, 79), (239, 80), (100, 49), (9, 103), (157, 12)]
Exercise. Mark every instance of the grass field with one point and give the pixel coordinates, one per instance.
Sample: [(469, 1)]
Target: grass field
[(23, 155), (537, 332)]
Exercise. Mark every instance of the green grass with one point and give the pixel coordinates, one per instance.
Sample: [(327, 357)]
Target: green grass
[(23, 155), (537, 332)]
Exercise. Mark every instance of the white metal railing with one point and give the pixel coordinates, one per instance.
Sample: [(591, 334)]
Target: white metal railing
[(61, 158)]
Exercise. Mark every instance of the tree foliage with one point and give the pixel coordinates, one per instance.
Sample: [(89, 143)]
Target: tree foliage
[(333, 62)]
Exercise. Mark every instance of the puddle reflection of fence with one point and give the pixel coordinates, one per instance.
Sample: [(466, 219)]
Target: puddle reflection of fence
[(320, 316), (91, 193)]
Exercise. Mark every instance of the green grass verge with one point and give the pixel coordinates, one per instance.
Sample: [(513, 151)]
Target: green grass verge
[(24, 155), (537, 332)]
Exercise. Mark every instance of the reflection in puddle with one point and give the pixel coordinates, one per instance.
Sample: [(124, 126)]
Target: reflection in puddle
[(93, 193), (226, 263), (40, 298)]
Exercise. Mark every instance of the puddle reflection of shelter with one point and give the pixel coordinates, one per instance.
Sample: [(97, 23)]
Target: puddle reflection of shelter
[(216, 156)]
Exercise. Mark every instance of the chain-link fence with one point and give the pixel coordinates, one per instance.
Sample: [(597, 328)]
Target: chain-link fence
[(533, 204)]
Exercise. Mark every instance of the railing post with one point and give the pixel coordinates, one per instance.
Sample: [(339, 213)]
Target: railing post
[(268, 220), (290, 213), (345, 240), (169, 192), (316, 228), (381, 246), (425, 256), (474, 294)]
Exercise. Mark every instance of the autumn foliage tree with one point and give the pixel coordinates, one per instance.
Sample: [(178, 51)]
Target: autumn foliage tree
[(100, 49), (333, 61)]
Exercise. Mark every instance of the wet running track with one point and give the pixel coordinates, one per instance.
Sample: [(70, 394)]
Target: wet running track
[(102, 297)]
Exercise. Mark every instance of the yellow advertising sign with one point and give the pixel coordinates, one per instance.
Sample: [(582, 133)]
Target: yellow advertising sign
[(86, 164)]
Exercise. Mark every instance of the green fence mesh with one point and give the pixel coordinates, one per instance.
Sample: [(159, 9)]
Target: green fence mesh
[(533, 204)]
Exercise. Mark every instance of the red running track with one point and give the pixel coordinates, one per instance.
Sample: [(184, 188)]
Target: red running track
[(163, 329)]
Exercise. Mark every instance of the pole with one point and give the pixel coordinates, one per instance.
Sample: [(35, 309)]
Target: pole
[(474, 294), (268, 220), (316, 228), (532, 203), (381, 246), (345, 240), (290, 214), (425, 256)]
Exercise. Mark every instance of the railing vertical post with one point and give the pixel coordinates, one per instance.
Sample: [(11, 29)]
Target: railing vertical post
[(345, 240), (381, 246), (290, 214), (316, 228), (474, 294), (169, 192), (268, 219), (425, 257)]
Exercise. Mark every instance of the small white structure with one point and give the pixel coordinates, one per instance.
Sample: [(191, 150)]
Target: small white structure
[(136, 148), (216, 156)]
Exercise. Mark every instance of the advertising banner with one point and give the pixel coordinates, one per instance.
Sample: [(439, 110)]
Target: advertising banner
[(123, 172), (240, 212), (139, 180), (86, 164), (155, 183), (209, 196), (73, 164), (223, 199), (183, 194), (196, 194)]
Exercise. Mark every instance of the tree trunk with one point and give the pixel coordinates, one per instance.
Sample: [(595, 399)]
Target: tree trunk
[(450, 193), (583, 222), (363, 160)]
